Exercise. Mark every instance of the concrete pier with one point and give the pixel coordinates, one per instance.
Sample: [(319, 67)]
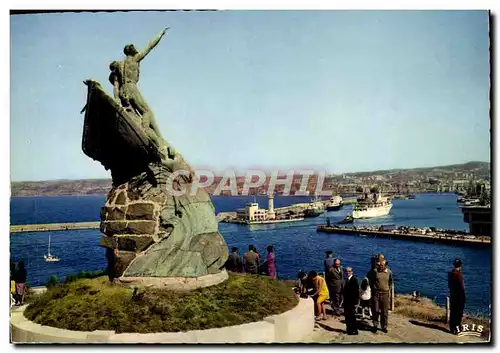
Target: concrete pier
[(269, 221), (53, 227), (435, 237)]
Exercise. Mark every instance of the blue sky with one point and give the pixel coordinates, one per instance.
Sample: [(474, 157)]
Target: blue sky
[(331, 90)]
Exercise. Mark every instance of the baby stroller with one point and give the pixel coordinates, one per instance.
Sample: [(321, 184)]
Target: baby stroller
[(364, 298)]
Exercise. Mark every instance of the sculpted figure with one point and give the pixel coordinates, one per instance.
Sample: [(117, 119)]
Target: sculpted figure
[(124, 77), (115, 78), (152, 237), (128, 76)]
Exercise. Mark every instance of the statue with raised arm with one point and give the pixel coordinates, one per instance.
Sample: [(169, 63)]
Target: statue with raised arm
[(153, 236), (124, 77), (128, 92)]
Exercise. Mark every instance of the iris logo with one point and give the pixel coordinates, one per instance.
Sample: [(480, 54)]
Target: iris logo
[(470, 330)]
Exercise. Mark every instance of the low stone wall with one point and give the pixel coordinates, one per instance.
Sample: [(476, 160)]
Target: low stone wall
[(291, 326)]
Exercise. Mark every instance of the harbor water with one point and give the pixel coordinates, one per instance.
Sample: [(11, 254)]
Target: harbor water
[(416, 265)]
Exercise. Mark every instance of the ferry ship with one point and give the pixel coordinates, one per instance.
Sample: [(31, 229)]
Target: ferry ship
[(368, 207), (335, 203)]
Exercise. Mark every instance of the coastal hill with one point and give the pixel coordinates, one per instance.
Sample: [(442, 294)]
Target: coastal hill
[(475, 167), (61, 187), (102, 186)]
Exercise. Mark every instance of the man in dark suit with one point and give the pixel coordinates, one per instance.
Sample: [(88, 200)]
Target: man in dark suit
[(335, 281), (351, 299), (457, 296)]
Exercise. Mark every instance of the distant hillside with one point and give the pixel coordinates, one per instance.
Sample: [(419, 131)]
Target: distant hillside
[(61, 187), (469, 167), (102, 186)]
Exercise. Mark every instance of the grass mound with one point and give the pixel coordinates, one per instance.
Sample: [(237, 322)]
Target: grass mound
[(425, 309), (96, 304)]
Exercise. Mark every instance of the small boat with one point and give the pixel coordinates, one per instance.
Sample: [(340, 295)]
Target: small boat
[(314, 209), (411, 197), (346, 220), (313, 212), (49, 257), (438, 208), (471, 202), (335, 203)]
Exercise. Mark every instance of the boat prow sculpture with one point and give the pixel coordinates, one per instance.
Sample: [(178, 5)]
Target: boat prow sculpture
[(152, 237), (115, 137)]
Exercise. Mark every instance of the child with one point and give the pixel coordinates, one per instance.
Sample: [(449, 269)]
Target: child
[(365, 296)]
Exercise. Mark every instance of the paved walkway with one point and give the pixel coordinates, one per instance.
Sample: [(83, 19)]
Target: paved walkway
[(401, 330)]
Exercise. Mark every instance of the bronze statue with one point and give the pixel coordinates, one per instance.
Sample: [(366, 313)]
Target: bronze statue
[(153, 237), (124, 77), (129, 74)]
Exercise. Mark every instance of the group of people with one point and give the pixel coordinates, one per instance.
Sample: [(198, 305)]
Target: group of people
[(18, 276), (373, 294), (251, 262), (343, 290)]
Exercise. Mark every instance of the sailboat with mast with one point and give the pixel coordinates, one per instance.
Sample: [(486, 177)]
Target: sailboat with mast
[(49, 257)]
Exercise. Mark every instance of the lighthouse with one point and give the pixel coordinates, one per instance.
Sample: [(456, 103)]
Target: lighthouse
[(270, 211)]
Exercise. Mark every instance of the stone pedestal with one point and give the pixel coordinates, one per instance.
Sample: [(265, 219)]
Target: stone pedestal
[(154, 237)]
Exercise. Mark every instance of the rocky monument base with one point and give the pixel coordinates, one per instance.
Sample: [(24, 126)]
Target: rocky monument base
[(159, 239)]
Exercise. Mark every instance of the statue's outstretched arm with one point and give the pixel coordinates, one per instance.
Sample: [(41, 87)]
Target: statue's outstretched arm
[(153, 43)]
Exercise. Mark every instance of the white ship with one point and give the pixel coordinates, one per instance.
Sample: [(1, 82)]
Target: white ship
[(368, 207), (335, 203)]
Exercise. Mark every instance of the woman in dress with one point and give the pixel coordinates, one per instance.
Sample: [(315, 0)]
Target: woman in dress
[(271, 262), (320, 295)]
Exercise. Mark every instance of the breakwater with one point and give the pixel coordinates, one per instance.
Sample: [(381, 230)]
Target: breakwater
[(269, 221), (441, 237), (53, 227), (230, 217)]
